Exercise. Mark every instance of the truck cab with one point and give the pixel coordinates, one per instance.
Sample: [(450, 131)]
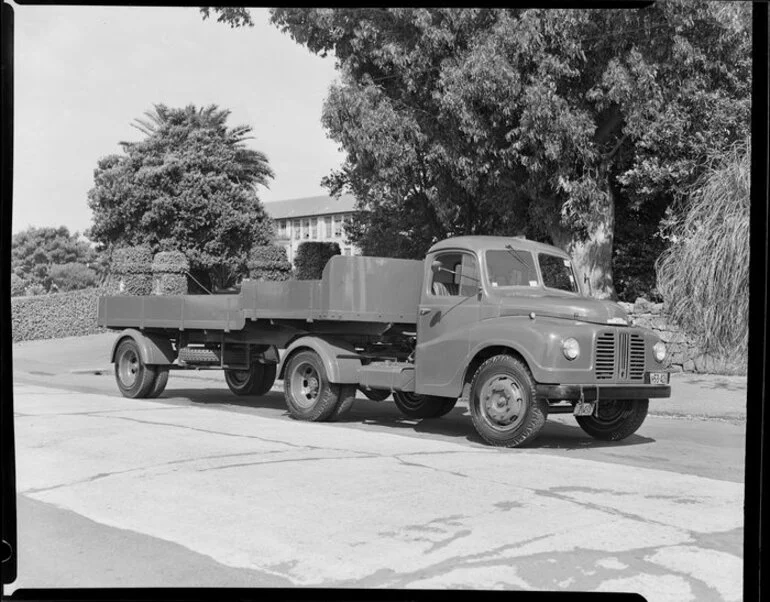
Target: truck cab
[(484, 297)]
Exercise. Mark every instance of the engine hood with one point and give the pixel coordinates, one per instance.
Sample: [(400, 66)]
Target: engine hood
[(596, 311)]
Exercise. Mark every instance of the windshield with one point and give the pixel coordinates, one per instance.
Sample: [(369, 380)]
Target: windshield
[(511, 268), (557, 272)]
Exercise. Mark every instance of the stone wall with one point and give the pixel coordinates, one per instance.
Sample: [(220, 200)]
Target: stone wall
[(684, 354)]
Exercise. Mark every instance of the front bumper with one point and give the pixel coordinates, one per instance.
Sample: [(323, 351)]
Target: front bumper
[(599, 392)]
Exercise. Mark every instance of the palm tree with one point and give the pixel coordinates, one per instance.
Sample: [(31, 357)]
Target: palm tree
[(249, 166)]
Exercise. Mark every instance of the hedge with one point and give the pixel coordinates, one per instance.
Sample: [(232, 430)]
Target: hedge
[(55, 316), (312, 257), (169, 270), (269, 262), (131, 271)]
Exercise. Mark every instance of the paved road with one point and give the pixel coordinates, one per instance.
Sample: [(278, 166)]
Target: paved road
[(199, 488)]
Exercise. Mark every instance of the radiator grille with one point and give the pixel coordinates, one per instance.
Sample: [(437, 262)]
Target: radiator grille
[(605, 356), (620, 356), (636, 358)]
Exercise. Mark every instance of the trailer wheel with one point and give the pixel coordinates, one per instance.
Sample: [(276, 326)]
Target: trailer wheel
[(347, 397), (504, 406), (160, 383), (135, 379), (413, 405), (615, 420), (376, 394), (308, 392), (257, 380)]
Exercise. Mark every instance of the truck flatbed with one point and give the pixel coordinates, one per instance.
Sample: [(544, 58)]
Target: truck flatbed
[(351, 289)]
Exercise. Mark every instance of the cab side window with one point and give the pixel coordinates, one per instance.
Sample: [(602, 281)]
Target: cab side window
[(458, 276)]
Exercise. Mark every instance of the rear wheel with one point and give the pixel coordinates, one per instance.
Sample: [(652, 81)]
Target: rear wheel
[(413, 405), (347, 397), (614, 420), (135, 379), (160, 382), (308, 392), (504, 407), (257, 380)]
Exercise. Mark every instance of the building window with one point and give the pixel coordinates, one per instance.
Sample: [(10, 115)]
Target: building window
[(337, 226), (283, 230), (328, 226), (296, 229), (305, 228), (314, 228)]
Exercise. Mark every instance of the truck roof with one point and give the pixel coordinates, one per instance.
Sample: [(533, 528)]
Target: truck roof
[(481, 243)]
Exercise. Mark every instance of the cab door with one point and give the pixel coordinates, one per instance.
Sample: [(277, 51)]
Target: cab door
[(449, 307)]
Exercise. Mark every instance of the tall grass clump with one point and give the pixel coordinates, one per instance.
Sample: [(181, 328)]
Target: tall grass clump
[(703, 276)]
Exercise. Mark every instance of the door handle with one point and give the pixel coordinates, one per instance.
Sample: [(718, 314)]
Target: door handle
[(424, 310)]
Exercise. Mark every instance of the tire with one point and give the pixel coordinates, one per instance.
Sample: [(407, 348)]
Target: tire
[(257, 380), (504, 407), (376, 394), (615, 420), (309, 394), (347, 397), (161, 379), (135, 379), (413, 405)]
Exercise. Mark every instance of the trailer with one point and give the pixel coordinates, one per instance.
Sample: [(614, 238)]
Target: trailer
[(501, 323)]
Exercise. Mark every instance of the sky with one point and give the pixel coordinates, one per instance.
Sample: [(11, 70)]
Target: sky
[(84, 73)]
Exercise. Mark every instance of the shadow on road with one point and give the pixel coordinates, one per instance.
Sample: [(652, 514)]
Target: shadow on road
[(385, 416)]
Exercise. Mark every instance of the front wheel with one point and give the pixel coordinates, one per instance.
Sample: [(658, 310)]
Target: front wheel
[(257, 380), (504, 406), (308, 392), (413, 405), (616, 419), (135, 378)]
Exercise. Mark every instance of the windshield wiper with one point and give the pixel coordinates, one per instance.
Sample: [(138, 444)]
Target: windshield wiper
[(510, 250)]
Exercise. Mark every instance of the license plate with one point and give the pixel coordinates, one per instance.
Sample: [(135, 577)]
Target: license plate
[(658, 378), (584, 408)]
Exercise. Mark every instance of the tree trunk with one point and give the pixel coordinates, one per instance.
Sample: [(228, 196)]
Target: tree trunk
[(593, 255)]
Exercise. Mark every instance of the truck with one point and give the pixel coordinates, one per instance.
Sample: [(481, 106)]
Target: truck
[(503, 324)]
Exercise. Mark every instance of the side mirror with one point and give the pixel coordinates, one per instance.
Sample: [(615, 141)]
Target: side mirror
[(436, 266)]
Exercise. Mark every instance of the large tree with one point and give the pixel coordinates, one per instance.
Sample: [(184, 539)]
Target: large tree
[(188, 185), (41, 257), (463, 121)]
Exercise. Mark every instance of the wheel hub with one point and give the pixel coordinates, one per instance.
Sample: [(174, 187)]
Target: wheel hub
[(502, 400), (306, 385), (129, 366)]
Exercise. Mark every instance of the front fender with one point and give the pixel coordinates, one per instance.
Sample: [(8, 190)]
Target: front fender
[(338, 369), (153, 349), (539, 342)]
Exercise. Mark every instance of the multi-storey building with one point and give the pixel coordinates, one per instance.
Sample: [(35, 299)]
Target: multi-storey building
[(317, 218)]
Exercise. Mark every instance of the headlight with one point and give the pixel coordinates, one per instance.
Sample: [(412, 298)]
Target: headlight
[(659, 351), (570, 348)]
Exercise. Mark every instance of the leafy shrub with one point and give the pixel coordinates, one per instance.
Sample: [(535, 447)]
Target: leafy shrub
[(34, 290), (132, 270), (55, 316), (71, 277), (269, 262), (170, 270), (18, 285), (704, 275), (312, 257)]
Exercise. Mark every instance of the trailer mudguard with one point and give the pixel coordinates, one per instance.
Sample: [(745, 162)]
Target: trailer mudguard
[(338, 369), (153, 349)]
